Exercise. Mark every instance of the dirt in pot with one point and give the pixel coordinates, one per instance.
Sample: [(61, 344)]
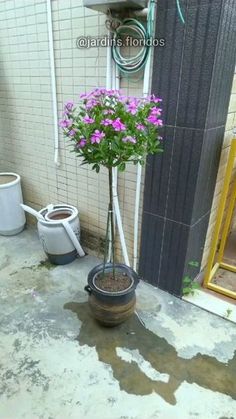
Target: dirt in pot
[(106, 282), (59, 216)]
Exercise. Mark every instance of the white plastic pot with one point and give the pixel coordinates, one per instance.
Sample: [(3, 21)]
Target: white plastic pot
[(12, 216), (60, 234)]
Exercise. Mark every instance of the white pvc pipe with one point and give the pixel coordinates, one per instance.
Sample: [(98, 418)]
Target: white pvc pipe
[(146, 85), (32, 212), (139, 172), (109, 65), (119, 222), (73, 238), (53, 82), (117, 77), (116, 81), (113, 72), (109, 86), (136, 214)]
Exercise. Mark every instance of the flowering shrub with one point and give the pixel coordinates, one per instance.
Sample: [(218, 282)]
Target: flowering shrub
[(110, 129)]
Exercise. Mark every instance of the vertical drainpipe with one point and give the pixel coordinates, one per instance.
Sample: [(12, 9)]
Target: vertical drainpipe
[(53, 83)]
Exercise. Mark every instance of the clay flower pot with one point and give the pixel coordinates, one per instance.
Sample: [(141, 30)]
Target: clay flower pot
[(108, 307)]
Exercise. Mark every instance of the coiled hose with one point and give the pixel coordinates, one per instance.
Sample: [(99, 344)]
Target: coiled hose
[(135, 30)]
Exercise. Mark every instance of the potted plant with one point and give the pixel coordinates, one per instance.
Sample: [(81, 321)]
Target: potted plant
[(109, 129)]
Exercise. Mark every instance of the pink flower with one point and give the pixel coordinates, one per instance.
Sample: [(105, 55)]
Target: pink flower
[(85, 95), (155, 99), (99, 92), (68, 106), (132, 108), (118, 125), (91, 103), (153, 120), (65, 123), (72, 132), (129, 139), (88, 120), (97, 136), (81, 143), (123, 99), (156, 111), (108, 112), (140, 127), (106, 122)]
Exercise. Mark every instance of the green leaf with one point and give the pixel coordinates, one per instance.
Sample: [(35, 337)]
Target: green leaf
[(121, 167), (193, 263), (195, 285), (187, 290), (187, 279), (96, 167)]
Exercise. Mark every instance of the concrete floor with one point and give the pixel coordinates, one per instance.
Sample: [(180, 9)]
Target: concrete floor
[(57, 363)]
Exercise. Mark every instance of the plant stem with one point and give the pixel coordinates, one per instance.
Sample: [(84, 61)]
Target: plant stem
[(112, 220), (106, 242)]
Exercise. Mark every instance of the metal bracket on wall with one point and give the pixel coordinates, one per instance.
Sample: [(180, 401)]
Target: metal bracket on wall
[(216, 255), (103, 6)]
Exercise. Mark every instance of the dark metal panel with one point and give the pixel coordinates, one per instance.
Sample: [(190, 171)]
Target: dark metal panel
[(151, 245), (196, 242), (167, 61), (157, 176), (207, 174), (183, 174), (200, 42), (174, 247), (189, 74)]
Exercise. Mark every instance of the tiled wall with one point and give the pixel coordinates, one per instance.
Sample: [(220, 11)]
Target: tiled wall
[(26, 122), (230, 125)]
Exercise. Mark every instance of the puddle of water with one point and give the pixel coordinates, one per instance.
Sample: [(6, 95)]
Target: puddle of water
[(204, 370)]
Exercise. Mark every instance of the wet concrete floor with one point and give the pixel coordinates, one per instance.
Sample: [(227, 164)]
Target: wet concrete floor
[(57, 362)]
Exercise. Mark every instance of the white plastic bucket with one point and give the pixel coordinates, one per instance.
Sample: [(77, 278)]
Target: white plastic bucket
[(12, 216), (55, 240)]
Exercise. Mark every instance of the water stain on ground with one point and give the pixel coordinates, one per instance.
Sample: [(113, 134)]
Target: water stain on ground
[(35, 276), (206, 371), (43, 264)]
